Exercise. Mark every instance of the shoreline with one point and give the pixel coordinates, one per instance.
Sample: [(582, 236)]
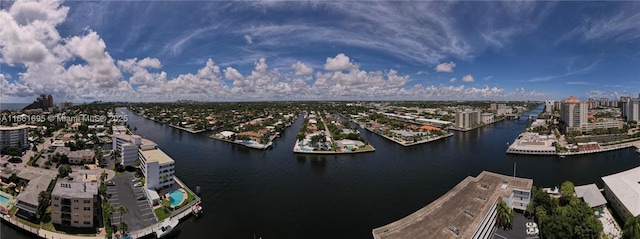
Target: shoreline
[(477, 127), (180, 214), (600, 150), (409, 144), (296, 150), (269, 144)]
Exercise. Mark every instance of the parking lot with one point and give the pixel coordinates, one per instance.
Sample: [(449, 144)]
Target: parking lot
[(139, 212)]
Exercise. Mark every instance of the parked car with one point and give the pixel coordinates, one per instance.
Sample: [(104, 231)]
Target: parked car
[(142, 197), (134, 180), (110, 183), (531, 225), (138, 184), (532, 231)]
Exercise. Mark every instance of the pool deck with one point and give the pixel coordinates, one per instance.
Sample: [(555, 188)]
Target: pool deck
[(184, 197)]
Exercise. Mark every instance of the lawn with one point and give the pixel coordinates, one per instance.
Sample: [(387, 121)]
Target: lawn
[(28, 223), (161, 214)]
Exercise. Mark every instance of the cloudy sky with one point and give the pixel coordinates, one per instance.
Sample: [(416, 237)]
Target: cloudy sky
[(314, 50)]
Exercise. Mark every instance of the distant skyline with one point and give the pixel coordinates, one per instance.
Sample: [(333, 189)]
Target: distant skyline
[(314, 50)]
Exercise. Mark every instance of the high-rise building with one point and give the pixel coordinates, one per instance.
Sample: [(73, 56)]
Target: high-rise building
[(467, 118), (633, 110), (49, 101), (573, 114)]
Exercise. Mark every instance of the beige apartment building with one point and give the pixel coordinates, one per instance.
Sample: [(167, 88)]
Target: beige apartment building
[(74, 203)]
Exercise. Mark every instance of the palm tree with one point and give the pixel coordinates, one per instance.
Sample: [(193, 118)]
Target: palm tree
[(123, 227), (109, 209), (166, 204), (115, 154), (506, 215), (631, 228), (122, 210)]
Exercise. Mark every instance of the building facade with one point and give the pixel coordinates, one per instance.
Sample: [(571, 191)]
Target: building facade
[(467, 118), (633, 110), (16, 136), (157, 167), (573, 114), (74, 203)]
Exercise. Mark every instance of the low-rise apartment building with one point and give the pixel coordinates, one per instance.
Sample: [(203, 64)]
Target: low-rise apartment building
[(74, 203)]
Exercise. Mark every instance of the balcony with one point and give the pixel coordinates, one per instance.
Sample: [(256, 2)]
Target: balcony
[(65, 216), (65, 201), (65, 209)]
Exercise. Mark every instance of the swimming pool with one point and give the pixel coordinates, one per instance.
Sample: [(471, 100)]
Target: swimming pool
[(303, 148), (4, 200), (176, 197)]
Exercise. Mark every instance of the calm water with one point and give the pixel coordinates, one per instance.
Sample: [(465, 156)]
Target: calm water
[(276, 194)]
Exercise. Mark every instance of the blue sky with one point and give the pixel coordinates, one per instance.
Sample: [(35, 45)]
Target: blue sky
[(288, 50)]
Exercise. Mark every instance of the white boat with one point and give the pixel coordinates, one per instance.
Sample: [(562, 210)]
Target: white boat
[(197, 210), (166, 228)]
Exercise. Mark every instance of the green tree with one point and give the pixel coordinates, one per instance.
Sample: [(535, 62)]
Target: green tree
[(166, 204), (123, 227), (505, 215), (122, 210), (631, 228), (566, 192), (43, 200), (64, 170)]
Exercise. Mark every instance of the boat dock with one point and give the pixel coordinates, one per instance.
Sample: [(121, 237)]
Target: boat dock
[(179, 214)]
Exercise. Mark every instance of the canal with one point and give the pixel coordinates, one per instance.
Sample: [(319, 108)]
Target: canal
[(274, 193)]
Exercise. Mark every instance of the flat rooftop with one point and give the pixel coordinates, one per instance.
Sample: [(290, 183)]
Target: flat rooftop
[(433, 220), (626, 188), (157, 155), (23, 126), (75, 189)]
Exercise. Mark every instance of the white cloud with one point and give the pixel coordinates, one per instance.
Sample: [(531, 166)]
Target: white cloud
[(339, 63), (452, 80), (446, 67), (248, 39), (467, 78), (140, 74), (488, 78), (301, 69)]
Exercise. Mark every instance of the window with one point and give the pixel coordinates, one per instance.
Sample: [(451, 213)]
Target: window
[(55, 198), (87, 222), (76, 222), (87, 208), (75, 200), (87, 201), (76, 208)]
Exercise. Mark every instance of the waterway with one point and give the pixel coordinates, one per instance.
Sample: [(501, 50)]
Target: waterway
[(278, 194)]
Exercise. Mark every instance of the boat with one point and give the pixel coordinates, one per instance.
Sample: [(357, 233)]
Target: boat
[(166, 228), (562, 156), (197, 210)]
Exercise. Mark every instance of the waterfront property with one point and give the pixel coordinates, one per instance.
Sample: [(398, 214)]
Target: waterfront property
[(533, 143), (466, 211), (622, 190), (128, 145), (591, 195), (6, 202), (74, 203), (28, 204), (157, 167)]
